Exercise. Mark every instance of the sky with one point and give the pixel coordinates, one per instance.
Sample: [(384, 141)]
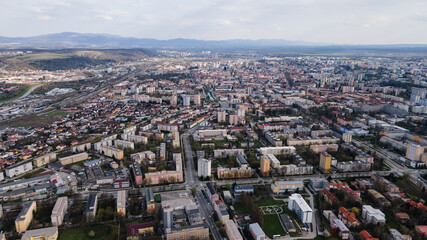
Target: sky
[(322, 21)]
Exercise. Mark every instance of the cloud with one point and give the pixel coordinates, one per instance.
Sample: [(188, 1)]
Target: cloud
[(45, 17), (331, 21), (104, 17)]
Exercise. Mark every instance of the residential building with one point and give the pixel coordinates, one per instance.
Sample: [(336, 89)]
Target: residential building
[(25, 217), (300, 207), (149, 200), (49, 233), (232, 231), (240, 172), (18, 169), (279, 187), (222, 116), (111, 152), (325, 162), (74, 158), (91, 207), (59, 211), (256, 231), (346, 137), (211, 192), (265, 166), (137, 173), (204, 167), (414, 152), (277, 150), (45, 159), (372, 215), (121, 202), (122, 144)]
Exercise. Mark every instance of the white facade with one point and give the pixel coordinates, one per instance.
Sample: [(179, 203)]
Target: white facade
[(204, 167), (18, 169), (59, 211), (300, 207), (372, 215)]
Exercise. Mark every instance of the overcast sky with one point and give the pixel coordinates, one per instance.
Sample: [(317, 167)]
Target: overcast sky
[(327, 21)]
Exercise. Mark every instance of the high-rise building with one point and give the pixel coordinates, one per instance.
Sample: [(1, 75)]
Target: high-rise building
[(204, 167), (197, 99), (414, 151), (234, 119), (222, 116), (241, 112), (346, 137), (174, 100), (265, 166), (249, 91), (417, 94), (186, 100), (121, 202), (59, 211), (325, 162), (297, 204)]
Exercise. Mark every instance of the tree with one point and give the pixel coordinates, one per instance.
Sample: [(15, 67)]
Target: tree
[(193, 191), (356, 211), (218, 224)]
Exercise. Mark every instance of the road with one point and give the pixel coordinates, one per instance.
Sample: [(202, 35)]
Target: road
[(29, 91), (191, 180)]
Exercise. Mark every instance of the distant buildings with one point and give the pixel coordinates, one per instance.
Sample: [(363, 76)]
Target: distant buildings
[(277, 150), (300, 207)]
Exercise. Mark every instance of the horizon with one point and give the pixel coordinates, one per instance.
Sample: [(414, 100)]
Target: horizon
[(325, 21)]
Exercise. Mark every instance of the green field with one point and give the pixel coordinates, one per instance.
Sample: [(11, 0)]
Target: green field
[(32, 120), (272, 225), (56, 113), (102, 232), (37, 56), (268, 202), (21, 93), (240, 208)]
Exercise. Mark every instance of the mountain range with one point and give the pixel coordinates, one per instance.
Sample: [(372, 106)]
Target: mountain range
[(105, 41)]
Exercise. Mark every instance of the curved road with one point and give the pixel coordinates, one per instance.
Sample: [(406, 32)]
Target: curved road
[(29, 91)]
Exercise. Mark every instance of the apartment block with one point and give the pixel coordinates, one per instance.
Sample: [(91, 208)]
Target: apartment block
[(45, 159), (121, 202), (59, 211), (25, 216)]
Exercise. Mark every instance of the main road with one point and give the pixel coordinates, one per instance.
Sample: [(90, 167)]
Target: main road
[(191, 180)]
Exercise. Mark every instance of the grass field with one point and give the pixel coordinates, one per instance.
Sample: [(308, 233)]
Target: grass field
[(21, 93), (240, 208), (269, 201), (102, 232), (31, 174), (272, 225), (56, 113), (32, 120), (37, 57)]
